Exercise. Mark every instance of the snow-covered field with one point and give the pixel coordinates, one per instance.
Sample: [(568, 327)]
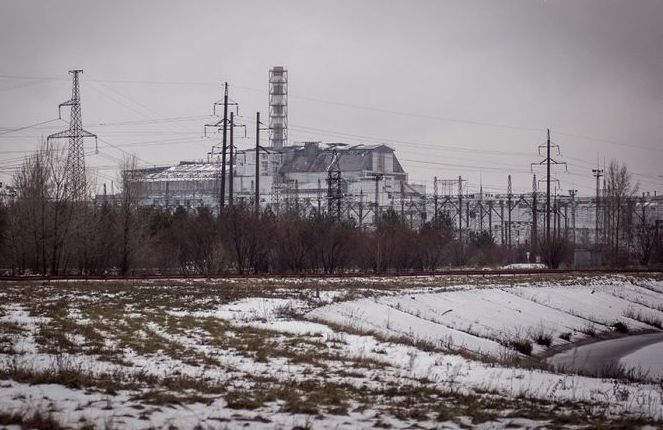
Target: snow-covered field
[(490, 320), (342, 354)]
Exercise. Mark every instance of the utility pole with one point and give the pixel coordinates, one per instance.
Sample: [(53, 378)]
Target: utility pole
[(257, 201), (481, 205), (231, 176), (460, 209), (502, 222), (490, 218), (534, 215), (606, 227), (598, 173), (558, 217), (509, 196), (223, 125), (435, 197), (573, 194), (402, 200), (548, 191), (378, 177), (75, 167), (297, 197), (481, 216), (412, 205), (361, 207), (566, 221), (549, 161), (222, 198)]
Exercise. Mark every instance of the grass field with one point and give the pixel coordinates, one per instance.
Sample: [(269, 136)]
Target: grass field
[(275, 353)]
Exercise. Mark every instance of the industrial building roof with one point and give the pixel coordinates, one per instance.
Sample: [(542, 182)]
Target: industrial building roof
[(351, 158), (185, 171)]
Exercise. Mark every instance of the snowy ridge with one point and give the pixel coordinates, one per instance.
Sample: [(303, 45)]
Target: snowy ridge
[(487, 319), (222, 351)]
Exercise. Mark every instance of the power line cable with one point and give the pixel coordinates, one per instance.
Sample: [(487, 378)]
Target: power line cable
[(28, 126)]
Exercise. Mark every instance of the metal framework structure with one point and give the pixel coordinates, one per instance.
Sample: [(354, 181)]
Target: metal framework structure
[(75, 169), (334, 186), (598, 173), (549, 161), (278, 107), (223, 125)]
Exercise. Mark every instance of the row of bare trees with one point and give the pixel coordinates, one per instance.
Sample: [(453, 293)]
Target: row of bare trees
[(114, 238), (45, 231), (243, 241), (630, 227)]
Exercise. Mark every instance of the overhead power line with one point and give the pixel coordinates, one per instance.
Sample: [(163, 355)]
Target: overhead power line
[(28, 126), (356, 106)]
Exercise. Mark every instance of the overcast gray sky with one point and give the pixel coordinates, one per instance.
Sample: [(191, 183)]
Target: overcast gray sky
[(456, 87)]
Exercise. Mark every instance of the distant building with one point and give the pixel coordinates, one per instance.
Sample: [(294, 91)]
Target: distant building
[(372, 181), (370, 172), (188, 184), (293, 175)]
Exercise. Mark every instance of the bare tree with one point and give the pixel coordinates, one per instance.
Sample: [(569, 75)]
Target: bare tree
[(294, 242), (556, 251), (84, 231), (62, 207), (40, 216), (330, 242), (4, 254), (618, 192), (128, 222), (435, 239), (243, 233), (646, 238), (201, 250)]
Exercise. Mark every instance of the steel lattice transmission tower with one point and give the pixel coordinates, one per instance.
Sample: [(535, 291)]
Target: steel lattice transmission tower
[(75, 168), (334, 186), (278, 107)]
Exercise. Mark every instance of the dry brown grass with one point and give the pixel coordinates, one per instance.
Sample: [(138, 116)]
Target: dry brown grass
[(102, 319), (30, 420), (70, 375)]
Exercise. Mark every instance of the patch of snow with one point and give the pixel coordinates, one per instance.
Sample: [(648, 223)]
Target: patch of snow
[(484, 320), (249, 309), (525, 266)]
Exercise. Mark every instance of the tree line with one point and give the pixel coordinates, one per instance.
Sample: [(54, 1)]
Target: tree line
[(45, 230)]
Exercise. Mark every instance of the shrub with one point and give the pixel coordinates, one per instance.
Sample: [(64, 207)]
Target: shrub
[(523, 346), (620, 327), (589, 330), (543, 338)]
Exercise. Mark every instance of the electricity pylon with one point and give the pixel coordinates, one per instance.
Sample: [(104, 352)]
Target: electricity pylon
[(75, 168)]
